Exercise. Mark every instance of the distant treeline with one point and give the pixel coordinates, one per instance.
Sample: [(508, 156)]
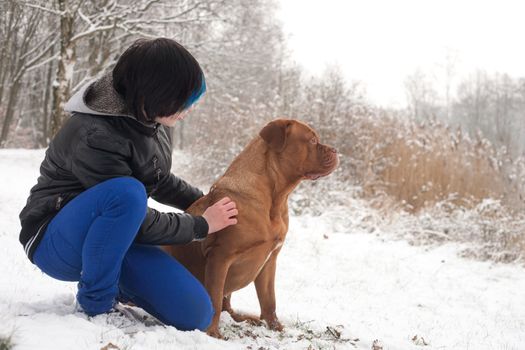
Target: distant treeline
[(50, 48)]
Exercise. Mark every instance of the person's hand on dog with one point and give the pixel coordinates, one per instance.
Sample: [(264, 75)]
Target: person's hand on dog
[(221, 215)]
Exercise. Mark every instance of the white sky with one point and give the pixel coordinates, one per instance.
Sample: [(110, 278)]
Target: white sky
[(380, 42)]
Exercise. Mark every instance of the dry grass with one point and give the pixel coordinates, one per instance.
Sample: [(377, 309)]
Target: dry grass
[(420, 165), (6, 343), (460, 188)]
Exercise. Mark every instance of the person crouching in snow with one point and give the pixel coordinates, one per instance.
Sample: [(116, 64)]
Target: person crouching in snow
[(87, 218)]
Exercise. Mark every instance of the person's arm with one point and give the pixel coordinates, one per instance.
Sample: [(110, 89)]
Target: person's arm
[(171, 228), (99, 157), (216, 217)]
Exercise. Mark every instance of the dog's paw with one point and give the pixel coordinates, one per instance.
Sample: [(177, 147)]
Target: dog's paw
[(273, 323), (253, 320), (214, 332), (275, 326)]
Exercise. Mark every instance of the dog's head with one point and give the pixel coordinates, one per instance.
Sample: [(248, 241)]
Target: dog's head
[(300, 152)]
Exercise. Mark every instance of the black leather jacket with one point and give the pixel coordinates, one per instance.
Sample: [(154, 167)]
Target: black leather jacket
[(97, 146)]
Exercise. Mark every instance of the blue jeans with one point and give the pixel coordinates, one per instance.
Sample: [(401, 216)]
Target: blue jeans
[(90, 240)]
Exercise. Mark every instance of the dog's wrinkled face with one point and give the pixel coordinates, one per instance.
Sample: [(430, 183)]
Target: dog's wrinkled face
[(300, 148)]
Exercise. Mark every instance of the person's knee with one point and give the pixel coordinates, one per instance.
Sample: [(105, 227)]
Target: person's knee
[(197, 312), (129, 192), (183, 302), (190, 315), (128, 185), (204, 317)]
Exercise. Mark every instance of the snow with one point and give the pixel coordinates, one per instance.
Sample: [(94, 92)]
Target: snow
[(365, 285)]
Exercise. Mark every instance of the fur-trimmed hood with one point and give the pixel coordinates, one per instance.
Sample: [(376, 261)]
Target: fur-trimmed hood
[(98, 97)]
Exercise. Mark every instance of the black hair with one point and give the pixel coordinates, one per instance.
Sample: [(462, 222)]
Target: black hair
[(158, 78)]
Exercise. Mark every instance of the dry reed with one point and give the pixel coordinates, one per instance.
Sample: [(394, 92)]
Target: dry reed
[(422, 164)]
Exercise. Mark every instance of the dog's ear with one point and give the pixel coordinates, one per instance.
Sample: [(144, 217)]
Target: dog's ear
[(275, 133)]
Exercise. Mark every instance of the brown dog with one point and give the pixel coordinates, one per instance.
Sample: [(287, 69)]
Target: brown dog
[(259, 180)]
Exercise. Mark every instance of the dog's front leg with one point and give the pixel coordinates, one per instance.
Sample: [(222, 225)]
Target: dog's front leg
[(238, 317), (216, 271), (265, 287)]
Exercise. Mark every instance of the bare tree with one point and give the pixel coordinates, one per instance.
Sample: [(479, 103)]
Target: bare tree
[(92, 32), (421, 96), (20, 54), (449, 72)]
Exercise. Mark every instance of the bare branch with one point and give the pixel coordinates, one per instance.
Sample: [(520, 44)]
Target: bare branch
[(42, 42), (85, 19), (137, 32), (92, 31), (198, 4), (166, 21), (35, 59), (78, 6), (81, 83), (148, 5), (55, 12), (44, 62)]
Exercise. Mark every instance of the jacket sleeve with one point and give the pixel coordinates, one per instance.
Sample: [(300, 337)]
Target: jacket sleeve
[(176, 192), (99, 157), (171, 228)]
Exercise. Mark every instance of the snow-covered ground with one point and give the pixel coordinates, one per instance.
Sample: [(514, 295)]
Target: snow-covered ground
[(338, 287)]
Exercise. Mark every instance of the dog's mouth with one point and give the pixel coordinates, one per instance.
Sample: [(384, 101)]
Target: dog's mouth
[(328, 168), (313, 176)]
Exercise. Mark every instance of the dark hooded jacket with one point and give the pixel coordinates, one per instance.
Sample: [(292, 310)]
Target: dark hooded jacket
[(100, 141)]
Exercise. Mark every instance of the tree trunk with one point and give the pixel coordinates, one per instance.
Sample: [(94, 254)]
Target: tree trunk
[(9, 112), (66, 63), (45, 108)]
